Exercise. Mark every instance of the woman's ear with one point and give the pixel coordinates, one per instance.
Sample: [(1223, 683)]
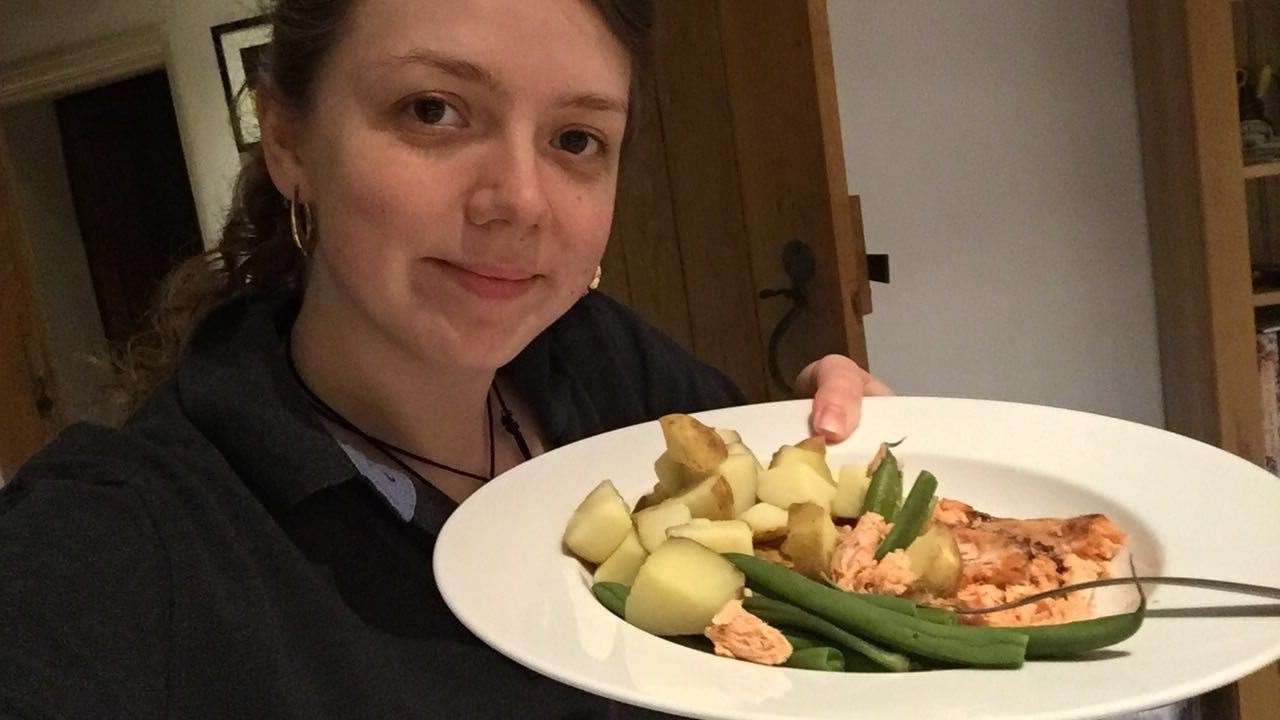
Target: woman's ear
[(281, 131)]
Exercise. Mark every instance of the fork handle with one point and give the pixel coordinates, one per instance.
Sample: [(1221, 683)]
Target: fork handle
[(1221, 585)]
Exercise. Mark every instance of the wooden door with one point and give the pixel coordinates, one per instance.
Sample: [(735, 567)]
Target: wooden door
[(29, 413), (736, 155)]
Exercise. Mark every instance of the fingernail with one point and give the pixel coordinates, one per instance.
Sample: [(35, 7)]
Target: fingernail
[(830, 422)]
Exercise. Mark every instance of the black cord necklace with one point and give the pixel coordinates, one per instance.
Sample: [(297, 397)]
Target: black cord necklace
[(510, 425), (394, 452)]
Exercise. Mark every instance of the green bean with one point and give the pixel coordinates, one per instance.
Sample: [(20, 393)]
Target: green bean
[(780, 613), (802, 641), (962, 644), (1074, 638), (885, 490), (613, 596), (827, 659), (941, 616), (853, 661), (911, 519), (889, 602), (933, 509)]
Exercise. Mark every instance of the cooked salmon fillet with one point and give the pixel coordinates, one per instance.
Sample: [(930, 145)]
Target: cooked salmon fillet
[(1004, 560), (737, 633), (1008, 559), (854, 566)]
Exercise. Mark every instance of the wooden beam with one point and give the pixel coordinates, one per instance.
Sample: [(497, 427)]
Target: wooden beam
[(1197, 221)]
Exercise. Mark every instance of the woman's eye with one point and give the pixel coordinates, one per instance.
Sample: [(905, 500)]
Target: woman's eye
[(435, 111), (578, 142)]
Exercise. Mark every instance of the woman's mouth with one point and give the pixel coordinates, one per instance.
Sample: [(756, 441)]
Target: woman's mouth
[(491, 282)]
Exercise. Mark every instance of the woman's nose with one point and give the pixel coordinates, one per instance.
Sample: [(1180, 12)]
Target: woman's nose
[(510, 191)]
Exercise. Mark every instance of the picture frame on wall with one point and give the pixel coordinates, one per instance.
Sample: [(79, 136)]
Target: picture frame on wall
[(239, 48)]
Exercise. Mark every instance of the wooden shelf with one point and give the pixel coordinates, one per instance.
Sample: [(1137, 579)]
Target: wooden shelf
[(1266, 297), (1261, 170)]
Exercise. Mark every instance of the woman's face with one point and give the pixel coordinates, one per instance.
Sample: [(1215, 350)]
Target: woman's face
[(461, 160)]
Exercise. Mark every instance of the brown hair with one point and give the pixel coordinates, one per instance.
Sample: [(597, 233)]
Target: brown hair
[(256, 250)]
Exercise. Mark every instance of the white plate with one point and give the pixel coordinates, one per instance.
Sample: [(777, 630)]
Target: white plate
[(1189, 509)]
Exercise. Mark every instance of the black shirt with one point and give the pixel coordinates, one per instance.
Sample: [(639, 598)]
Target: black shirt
[(221, 556)]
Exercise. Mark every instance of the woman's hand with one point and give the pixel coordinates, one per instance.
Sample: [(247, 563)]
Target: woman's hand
[(837, 385)]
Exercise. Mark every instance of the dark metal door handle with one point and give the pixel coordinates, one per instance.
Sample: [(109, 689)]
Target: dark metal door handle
[(800, 267)]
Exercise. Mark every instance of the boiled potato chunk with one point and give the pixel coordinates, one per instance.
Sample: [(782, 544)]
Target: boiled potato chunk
[(788, 454), (671, 474), (652, 523), (936, 557), (693, 444), (792, 483), (767, 522), (816, 444), (729, 436), (673, 478), (711, 499), (811, 538), (720, 535), (680, 587), (741, 472), (599, 525), (737, 448), (851, 491), (624, 563)]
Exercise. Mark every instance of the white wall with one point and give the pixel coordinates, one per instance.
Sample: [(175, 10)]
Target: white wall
[(62, 277), (207, 137), (995, 147), (35, 27)]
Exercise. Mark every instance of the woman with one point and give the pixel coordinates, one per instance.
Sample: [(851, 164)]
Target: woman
[(408, 257)]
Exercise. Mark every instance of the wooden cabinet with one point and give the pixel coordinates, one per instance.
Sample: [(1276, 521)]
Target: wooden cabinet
[(1198, 218), (737, 154)]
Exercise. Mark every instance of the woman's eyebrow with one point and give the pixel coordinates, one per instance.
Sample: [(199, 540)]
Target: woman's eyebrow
[(593, 101), (471, 72), (457, 67)]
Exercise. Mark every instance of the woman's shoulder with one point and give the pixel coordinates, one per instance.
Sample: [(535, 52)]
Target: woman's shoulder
[(81, 461), (154, 444), (603, 319), (607, 343), (113, 476), (86, 575)]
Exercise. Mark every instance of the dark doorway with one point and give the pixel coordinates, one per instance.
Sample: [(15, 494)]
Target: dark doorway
[(131, 191)]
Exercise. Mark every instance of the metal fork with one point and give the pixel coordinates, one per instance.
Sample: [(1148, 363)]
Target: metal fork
[(1222, 585)]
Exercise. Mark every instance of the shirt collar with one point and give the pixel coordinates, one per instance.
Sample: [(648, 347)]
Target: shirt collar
[(236, 386)]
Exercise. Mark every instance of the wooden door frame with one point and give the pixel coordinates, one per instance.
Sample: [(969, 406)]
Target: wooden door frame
[(99, 62), (40, 78), (1196, 213)]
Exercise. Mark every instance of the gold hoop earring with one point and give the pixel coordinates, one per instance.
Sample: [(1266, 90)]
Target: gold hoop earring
[(301, 238), (595, 282)]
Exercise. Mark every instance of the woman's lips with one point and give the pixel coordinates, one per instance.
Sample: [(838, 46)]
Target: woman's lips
[(491, 282)]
